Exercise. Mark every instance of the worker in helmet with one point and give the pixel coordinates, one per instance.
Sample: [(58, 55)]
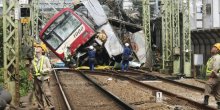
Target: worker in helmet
[(41, 69), (91, 55), (212, 70), (44, 47), (125, 57)]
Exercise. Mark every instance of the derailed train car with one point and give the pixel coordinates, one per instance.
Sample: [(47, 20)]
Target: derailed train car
[(93, 19), (77, 29), (66, 29)]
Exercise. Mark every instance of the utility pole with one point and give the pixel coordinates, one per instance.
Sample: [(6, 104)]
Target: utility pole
[(11, 48)]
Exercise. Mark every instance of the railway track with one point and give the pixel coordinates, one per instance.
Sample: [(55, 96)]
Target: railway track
[(144, 75), (165, 79), (191, 91), (186, 93), (80, 92), (185, 90)]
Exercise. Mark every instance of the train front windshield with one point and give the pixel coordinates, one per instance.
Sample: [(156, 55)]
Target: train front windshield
[(61, 29)]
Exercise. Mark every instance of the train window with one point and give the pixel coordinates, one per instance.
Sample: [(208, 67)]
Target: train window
[(60, 29), (67, 27), (52, 40), (56, 23)]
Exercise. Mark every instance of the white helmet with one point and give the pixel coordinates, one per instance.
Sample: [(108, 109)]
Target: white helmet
[(91, 47), (126, 44)]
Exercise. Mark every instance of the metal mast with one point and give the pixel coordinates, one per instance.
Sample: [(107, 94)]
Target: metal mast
[(146, 25), (186, 38), (176, 36), (146, 22), (11, 48), (34, 18), (167, 40)]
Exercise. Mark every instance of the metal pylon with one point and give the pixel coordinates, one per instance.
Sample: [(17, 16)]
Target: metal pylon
[(167, 40), (176, 37), (34, 18), (186, 38), (11, 48), (147, 32)]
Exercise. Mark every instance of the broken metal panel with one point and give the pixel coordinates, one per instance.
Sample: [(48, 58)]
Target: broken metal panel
[(112, 45), (96, 11), (138, 46)]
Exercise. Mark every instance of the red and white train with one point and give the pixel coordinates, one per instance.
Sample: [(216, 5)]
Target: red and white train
[(66, 29)]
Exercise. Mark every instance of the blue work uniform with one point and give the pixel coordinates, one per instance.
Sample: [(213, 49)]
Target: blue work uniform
[(125, 58), (91, 54)]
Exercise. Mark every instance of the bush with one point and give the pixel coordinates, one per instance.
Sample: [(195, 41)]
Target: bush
[(25, 84)]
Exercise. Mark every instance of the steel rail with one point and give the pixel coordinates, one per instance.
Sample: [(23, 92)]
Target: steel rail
[(196, 88), (61, 89), (190, 101), (119, 101)]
